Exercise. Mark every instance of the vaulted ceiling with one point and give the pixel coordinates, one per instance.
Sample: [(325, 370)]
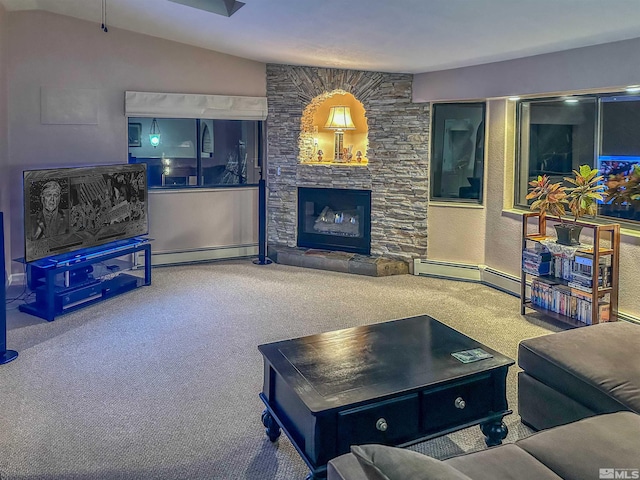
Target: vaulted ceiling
[(378, 35)]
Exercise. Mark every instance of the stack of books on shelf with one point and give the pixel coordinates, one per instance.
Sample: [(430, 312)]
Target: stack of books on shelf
[(582, 274), (565, 300), (562, 267), (536, 261), (584, 305)]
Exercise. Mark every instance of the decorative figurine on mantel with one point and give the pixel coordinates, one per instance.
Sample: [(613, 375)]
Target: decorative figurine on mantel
[(347, 153), (320, 153), (359, 156)]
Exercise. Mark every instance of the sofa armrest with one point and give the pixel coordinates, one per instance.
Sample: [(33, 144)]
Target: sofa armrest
[(345, 467)]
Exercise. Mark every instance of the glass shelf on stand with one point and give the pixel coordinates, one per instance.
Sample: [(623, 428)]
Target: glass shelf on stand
[(70, 281)]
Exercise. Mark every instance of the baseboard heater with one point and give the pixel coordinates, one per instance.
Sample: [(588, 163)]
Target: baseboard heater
[(468, 273), (159, 258), (451, 270)]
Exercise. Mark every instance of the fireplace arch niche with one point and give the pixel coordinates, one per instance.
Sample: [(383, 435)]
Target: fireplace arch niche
[(318, 142)]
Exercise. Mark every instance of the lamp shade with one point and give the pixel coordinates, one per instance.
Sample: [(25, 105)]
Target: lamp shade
[(340, 118)]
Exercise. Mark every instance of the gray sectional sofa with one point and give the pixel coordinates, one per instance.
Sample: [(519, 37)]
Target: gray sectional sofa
[(593, 448), (579, 373)]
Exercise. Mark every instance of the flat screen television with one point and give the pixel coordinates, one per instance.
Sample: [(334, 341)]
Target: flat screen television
[(68, 209)]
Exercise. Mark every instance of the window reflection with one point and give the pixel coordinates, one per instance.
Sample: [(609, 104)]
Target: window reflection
[(198, 152), (457, 151)]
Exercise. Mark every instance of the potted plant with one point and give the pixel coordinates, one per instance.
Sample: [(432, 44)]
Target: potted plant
[(580, 199), (548, 197), (623, 191)]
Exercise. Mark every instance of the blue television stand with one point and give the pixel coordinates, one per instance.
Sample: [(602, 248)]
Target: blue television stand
[(65, 283)]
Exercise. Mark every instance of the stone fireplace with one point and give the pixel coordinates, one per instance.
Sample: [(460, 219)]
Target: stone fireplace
[(335, 219), (396, 173)]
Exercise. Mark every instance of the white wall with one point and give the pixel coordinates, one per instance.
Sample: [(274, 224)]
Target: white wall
[(4, 133), (503, 244), (456, 233), (224, 225), (599, 67), (54, 51)]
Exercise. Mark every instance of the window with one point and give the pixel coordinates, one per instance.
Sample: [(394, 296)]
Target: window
[(556, 136), (197, 152), (196, 140), (457, 152)]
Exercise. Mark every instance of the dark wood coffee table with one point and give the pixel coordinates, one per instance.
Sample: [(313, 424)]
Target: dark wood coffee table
[(394, 383)]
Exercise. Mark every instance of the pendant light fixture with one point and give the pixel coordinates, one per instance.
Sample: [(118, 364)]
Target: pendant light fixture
[(154, 133), (104, 16)]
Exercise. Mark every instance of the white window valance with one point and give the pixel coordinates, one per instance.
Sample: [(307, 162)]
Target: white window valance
[(185, 105)]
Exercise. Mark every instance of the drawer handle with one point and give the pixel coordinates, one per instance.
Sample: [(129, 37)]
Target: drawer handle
[(381, 425), (460, 403)]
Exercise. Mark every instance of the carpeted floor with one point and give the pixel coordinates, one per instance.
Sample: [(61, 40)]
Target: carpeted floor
[(163, 382)]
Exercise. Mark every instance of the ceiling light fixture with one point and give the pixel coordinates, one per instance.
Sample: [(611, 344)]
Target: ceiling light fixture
[(154, 133), (221, 7), (571, 100), (633, 88), (339, 120), (514, 99)]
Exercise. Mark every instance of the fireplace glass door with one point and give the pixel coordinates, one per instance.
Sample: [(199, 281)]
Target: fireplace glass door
[(334, 219)]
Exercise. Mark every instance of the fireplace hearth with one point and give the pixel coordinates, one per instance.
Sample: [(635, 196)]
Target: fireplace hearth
[(334, 219)]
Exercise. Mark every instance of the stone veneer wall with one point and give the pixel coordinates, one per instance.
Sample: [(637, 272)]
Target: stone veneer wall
[(397, 173)]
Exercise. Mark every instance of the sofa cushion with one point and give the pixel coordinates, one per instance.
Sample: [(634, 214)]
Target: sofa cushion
[(388, 463), (598, 365), (579, 450), (345, 467), (506, 462)]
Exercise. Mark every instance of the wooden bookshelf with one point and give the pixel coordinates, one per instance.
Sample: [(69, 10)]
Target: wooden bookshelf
[(605, 242), (558, 317)]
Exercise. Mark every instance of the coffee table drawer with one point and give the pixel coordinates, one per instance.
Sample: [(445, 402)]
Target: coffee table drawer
[(456, 404), (387, 422)]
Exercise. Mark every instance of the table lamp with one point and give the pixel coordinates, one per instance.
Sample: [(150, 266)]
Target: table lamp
[(339, 120)]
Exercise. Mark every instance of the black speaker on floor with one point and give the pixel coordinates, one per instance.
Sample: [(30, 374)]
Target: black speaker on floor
[(5, 355), (262, 224)]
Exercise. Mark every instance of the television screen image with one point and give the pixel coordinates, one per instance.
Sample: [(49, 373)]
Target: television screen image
[(67, 209), (618, 165)]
